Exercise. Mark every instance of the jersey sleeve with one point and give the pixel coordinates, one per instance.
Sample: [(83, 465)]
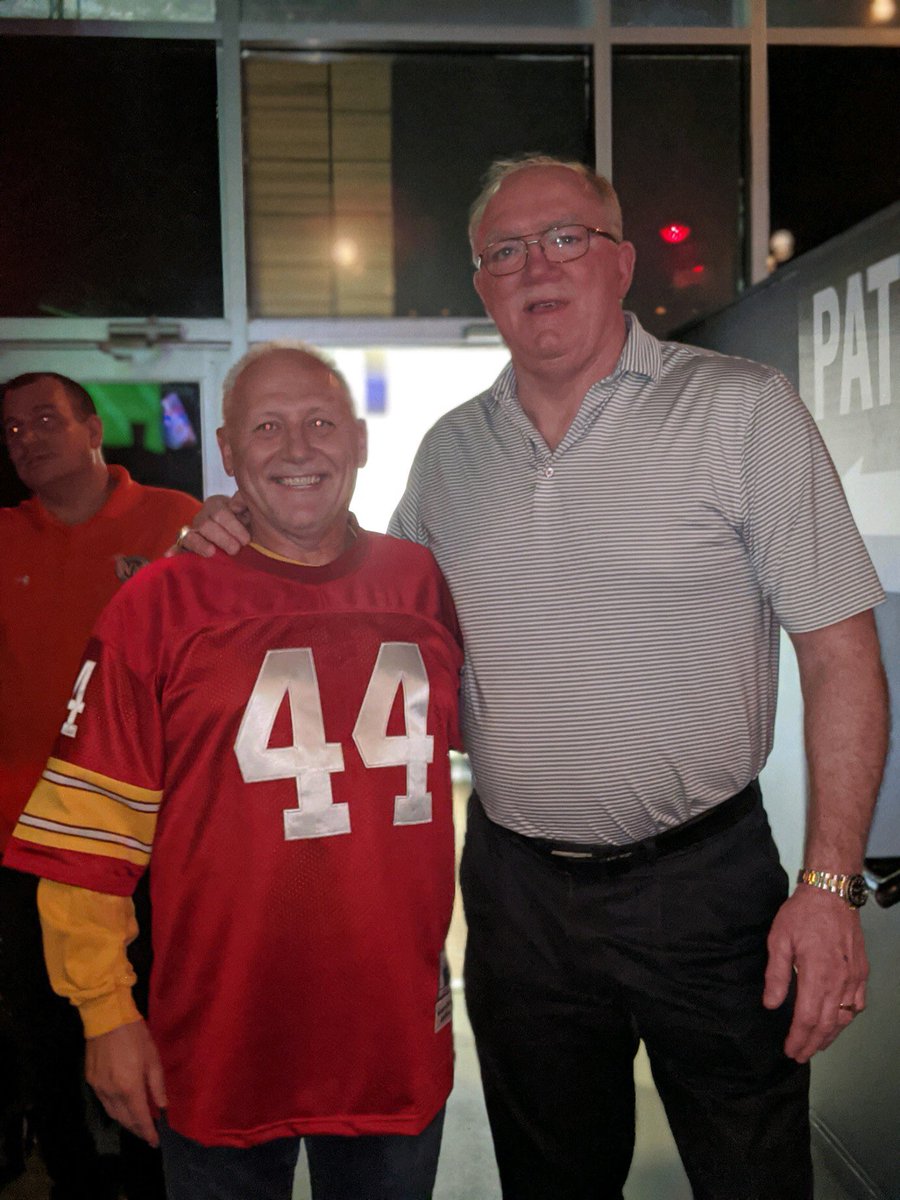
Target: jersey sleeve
[(91, 819), (85, 938), (807, 553)]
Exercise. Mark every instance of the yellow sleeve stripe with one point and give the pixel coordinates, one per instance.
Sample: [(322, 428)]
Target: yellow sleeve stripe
[(38, 833), (76, 776), (84, 831), (72, 781), (89, 813), (73, 809)]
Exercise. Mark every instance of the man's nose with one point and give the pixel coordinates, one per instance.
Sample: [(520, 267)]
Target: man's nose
[(536, 261), (297, 444)]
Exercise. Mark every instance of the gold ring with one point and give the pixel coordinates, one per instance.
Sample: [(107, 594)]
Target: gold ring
[(182, 534), (850, 1008)]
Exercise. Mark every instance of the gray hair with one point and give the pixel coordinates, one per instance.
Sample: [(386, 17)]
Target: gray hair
[(263, 350), (504, 167)]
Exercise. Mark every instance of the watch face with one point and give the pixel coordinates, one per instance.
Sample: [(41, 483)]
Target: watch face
[(857, 891)]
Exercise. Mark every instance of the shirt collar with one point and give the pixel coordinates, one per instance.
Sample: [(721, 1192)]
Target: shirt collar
[(640, 354)]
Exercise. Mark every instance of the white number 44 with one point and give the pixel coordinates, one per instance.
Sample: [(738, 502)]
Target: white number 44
[(310, 760)]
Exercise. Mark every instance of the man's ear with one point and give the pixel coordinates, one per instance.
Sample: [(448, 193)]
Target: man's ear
[(362, 443), (626, 253), (95, 431), (225, 450)]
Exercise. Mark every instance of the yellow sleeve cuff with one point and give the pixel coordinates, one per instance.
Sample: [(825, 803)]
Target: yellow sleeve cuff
[(108, 1012)]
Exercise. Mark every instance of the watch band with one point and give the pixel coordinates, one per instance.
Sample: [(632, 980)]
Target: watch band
[(852, 889)]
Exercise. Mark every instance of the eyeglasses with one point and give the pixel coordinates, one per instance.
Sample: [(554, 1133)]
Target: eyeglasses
[(560, 244)]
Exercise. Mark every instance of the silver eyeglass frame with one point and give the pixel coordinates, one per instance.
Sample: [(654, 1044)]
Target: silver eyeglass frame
[(537, 239)]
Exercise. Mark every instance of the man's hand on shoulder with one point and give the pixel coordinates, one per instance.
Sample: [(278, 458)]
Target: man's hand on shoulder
[(220, 524), (123, 1068), (820, 935)]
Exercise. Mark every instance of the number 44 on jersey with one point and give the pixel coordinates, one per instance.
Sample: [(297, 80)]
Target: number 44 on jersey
[(310, 760)]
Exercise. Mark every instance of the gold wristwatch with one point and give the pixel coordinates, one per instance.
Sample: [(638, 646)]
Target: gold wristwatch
[(853, 889)]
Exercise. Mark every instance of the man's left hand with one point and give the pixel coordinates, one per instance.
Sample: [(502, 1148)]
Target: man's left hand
[(820, 936)]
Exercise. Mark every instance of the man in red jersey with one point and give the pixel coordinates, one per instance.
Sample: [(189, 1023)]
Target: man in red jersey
[(67, 550), (276, 742)]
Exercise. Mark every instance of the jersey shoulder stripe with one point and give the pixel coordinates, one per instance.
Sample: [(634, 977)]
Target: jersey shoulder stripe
[(87, 832), (123, 793), (76, 809)]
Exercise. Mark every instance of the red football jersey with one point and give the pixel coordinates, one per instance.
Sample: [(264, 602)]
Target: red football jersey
[(275, 738)]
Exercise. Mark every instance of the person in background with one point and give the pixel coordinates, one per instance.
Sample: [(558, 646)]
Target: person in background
[(67, 550), (626, 525), (271, 734)]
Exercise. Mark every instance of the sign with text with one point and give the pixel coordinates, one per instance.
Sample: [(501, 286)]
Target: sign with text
[(848, 311)]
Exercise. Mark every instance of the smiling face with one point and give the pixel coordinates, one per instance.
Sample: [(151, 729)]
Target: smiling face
[(291, 441), (561, 319), (51, 446)]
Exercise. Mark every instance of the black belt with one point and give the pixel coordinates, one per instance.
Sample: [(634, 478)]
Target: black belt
[(613, 858)]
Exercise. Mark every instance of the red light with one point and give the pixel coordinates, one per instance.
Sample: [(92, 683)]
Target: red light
[(699, 269), (674, 233)]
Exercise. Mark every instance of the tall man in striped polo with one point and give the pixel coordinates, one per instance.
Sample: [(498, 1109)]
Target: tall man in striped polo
[(625, 524)]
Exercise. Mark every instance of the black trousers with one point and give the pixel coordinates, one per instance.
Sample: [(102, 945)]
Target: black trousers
[(568, 966), (50, 1067)]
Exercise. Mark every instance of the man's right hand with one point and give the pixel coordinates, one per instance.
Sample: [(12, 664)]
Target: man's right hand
[(221, 523), (123, 1068)]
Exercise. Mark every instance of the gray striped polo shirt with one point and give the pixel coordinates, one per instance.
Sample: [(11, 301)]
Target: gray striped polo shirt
[(621, 596)]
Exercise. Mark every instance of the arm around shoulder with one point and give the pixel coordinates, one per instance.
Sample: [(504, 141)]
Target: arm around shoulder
[(220, 524)]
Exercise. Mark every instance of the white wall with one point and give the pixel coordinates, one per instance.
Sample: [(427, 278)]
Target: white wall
[(422, 384)]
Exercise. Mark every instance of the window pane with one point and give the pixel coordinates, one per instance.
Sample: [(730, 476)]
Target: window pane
[(872, 14), (361, 170), (680, 178), (727, 13), (112, 10), (109, 162), (821, 185), (414, 12)]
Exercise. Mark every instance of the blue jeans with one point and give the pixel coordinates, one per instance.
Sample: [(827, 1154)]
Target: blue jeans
[(385, 1167)]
